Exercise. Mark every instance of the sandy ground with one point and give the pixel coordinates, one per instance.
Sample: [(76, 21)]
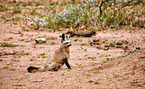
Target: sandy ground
[(92, 68)]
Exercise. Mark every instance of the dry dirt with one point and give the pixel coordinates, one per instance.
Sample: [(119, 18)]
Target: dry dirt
[(92, 67)]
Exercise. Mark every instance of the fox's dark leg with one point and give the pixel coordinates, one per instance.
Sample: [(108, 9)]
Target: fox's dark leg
[(67, 64)]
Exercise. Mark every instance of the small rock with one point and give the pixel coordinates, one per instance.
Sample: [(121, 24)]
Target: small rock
[(75, 40), (103, 41), (40, 40), (107, 45), (98, 47), (118, 43), (142, 56), (137, 47), (118, 46), (106, 48), (125, 47), (91, 44), (96, 40), (13, 53), (112, 45), (41, 29), (126, 42), (96, 43)]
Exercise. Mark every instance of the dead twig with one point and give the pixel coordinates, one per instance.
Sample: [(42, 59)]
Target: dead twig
[(100, 6)]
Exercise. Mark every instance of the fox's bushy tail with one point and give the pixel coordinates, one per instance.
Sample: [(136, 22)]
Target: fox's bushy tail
[(32, 69)]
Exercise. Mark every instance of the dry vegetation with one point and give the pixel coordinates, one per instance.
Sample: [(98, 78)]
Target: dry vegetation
[(113, 58)]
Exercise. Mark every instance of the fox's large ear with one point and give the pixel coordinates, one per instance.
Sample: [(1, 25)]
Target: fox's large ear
[(63, 37)]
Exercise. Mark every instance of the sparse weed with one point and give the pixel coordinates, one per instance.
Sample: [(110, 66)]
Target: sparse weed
[(84, 43), (88, 75), (10, 37), (44, 56), (75, 16), (27, 53), (91, 58), (90, 81), (96, 82), (14, 60), (27, 41), (32, 59), (6, 67), (51, 38), (16, 10)]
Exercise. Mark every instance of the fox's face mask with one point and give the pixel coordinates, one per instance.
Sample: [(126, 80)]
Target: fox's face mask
[(66, 39)]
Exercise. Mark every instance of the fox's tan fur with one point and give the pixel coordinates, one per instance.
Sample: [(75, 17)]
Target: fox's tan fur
[(60, 58), (61, 55)]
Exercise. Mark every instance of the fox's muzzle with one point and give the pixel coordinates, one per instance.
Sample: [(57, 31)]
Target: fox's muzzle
[(68, 45)]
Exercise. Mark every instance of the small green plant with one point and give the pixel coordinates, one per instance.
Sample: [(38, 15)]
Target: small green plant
[(37, 22), (53, 43), (41, 42), (32, 59), (38, 56), (41, 36), (8, 45), (90, 81), (27, 41), (3, 9), (27, 53), (21, 39), (16, 10), (37, 4), (22, 51), (24, 5), (13, 69), (91, 58), (80, 59), (21, 35), (88, 74), (3, 17), (16, 18), (14, 60), (6, 67), (10, 37), (96, 82), (84, 43), (44, 56)]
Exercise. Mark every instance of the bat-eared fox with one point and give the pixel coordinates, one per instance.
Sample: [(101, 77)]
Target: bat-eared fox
[(60, 57)]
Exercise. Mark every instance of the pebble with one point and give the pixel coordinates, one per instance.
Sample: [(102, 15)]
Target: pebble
[(107, 45), (125, 47), (137, 47), (98, 47), (96, 43), (112, 45), (40, 40), (118, 43), (96, 40), (106, 48)]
